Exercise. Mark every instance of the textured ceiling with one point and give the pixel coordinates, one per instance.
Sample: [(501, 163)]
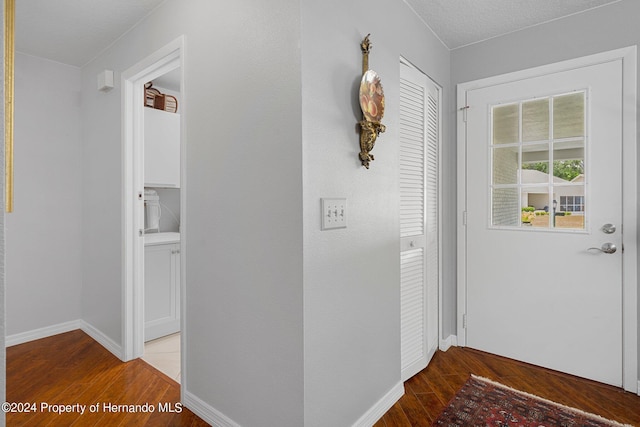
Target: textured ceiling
[(461, 22), (76, 31)]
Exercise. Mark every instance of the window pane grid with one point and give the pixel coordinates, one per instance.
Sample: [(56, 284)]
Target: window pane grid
[(537, 158)]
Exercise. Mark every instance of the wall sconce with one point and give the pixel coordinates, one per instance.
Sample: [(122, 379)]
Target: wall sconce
[(372, 105)]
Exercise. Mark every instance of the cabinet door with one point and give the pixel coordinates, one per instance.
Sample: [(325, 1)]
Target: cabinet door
[(161, 290), (161, 148)]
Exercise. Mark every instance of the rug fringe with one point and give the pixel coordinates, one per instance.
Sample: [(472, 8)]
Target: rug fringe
[(533, 396)]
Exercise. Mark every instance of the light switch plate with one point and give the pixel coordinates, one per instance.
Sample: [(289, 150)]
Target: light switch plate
[(334, 213)]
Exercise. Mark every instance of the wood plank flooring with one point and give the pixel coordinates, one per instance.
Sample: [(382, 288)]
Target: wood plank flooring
[(427, 393), (72, 368)]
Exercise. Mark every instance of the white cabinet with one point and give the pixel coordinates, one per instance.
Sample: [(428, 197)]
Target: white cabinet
[(161, 289), (161, 148)]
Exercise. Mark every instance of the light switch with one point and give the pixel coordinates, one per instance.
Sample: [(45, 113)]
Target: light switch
[(334, 213)]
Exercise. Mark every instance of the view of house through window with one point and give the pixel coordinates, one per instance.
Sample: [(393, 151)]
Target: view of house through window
[(538, 163)]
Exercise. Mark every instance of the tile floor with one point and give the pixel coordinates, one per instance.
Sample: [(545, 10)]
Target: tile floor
[(164, 355)]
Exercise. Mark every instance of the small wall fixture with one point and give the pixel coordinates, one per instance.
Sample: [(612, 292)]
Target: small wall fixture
[(105, 81), (372, 105)]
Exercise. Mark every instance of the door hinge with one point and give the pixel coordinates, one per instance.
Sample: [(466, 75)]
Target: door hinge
[(464, 217), (464, 113), (464, 321)]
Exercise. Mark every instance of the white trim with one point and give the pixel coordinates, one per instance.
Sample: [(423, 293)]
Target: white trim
[(160, 62), (47, 331), (408, 63), (630, 221), (381, 407), (440, 216), (207, 412), (447, 343), (461, 232), (630, 192), (102, 339), (183, 220), (61, 328), (570, 64)]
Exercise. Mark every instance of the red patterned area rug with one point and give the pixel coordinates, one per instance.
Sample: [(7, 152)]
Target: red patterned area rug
[(482, 402)]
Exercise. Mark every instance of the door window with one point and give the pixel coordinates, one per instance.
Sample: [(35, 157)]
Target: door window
[(538, 151)]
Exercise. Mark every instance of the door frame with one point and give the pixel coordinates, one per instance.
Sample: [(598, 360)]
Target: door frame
[(628, 56), (166, 59)]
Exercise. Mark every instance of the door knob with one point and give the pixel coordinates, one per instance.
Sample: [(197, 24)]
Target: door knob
[(607, 248), (608, 229)]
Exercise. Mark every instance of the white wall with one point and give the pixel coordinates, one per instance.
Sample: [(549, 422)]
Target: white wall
[(242, 105), (43, 241), (259, 127), (606, 28), (245, 114), (352, 275), (248, 354)]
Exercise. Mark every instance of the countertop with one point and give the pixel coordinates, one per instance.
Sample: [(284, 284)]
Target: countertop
[(161, 238)]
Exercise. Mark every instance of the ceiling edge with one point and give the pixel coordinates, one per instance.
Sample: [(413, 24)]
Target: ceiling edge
[(427, 25), (535, 25)]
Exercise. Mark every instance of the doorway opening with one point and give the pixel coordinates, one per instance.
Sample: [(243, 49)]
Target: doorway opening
[(154, 201)]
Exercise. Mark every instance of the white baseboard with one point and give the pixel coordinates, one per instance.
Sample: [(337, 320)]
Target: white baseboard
[(381, 407), (207, 412), (447, 343), (45, 332), (218, 419), (102, 339), (61, 328)]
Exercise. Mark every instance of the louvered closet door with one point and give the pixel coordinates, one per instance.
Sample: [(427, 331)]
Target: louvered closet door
[(419, 263)]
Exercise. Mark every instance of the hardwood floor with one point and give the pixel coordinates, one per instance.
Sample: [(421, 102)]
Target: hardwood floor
[(427, 393), (72, 368)]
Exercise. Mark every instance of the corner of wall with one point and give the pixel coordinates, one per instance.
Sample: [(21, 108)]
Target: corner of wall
[(207, 412), (102, 339), (447, 343), (376, 412)]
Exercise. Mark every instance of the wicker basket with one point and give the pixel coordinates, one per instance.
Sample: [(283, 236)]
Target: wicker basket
[(150, 94), (153, 98)]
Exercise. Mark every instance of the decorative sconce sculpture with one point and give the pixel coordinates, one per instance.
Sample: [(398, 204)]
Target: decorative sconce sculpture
[(372, 105)]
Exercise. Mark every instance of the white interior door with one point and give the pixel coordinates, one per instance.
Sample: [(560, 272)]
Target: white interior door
[(419, 257), (536, 291)]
